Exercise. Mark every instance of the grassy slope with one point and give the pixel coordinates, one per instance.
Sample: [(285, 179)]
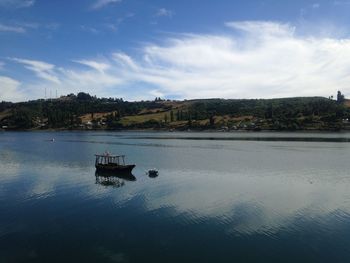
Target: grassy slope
[(4, 114), (158, 114)]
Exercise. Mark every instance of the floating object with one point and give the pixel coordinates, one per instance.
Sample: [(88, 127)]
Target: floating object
[(52, 140), (113, 164), (153, 173)]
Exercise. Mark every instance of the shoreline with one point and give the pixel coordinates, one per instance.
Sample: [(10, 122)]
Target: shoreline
[(181, 131)]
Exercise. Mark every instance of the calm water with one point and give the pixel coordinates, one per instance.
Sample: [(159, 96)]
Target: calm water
[(219, 197)]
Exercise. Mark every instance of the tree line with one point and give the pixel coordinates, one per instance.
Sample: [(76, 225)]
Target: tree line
[(287, 113)]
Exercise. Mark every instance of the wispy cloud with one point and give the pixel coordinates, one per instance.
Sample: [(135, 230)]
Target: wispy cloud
[(42, 69), (16, 3), (164, 12), (52, 26), (266, 28), (23, 27), (13, 29), (102, 3), (99, 66), (35, 25), (93, 76), (341, 3), (125, 61), (253, 59), (89, 29), (114, 26)]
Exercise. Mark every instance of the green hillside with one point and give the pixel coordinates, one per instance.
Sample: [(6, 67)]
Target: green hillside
[(83, 111)]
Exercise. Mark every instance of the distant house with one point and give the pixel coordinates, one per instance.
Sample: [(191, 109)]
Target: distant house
[(88, 125)]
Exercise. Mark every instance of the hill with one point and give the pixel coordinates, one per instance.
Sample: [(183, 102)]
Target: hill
[(83, 111)]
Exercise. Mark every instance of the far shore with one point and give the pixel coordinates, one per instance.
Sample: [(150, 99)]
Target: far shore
[(181, 131)]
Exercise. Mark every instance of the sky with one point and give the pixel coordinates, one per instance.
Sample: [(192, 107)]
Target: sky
[(184, 49)]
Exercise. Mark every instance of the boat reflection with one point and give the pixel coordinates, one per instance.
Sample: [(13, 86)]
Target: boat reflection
[(109, 181), (124, 176), (114, 180)]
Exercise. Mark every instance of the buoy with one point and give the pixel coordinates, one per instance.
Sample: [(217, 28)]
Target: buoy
[(152, 173)]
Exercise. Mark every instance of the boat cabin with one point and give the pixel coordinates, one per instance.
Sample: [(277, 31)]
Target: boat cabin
[(105, 159)]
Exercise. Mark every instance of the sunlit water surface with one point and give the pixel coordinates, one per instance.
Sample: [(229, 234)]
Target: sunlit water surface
[(219, 197)]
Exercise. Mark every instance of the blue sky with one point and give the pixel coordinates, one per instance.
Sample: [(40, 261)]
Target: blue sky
[(138, 49)]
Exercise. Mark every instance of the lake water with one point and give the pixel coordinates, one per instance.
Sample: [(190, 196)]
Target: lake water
[(219, 197)]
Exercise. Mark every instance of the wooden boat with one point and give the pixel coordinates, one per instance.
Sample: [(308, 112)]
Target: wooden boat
[(112, 164)]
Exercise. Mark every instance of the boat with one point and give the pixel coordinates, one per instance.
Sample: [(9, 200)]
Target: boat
[(112, 164), (152, 173)]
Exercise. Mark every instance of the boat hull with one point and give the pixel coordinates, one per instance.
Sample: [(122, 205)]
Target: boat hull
[(114, 169)]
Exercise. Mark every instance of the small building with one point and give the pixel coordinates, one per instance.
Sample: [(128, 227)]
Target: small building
[(88, 125)]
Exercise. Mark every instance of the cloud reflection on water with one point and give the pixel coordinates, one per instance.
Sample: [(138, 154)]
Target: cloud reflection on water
[(245, 187)]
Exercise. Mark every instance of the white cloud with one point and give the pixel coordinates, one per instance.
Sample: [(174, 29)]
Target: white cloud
[(14, 29), (253, 60), (102, 3), (16, 3), (93, 79), (164, 12), (42, 69), (2, 64), (99, 66), (9, 89), (315, 5), (268, 61), (265, 28), (125, 61)]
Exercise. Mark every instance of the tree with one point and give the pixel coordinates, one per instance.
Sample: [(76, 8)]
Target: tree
[(189, 122), (340, 97), (212, 121), (84, 96), (171, 116)]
